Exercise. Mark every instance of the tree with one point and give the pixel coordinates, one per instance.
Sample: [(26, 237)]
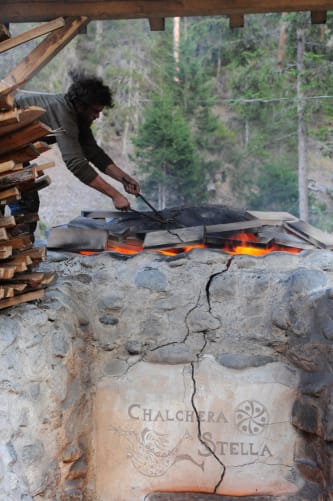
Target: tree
[(166, 153)]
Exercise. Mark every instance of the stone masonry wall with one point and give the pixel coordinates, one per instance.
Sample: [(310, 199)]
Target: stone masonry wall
[(172, 335)]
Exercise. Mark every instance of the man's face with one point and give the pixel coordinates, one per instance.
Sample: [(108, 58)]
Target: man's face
[(91, 112)]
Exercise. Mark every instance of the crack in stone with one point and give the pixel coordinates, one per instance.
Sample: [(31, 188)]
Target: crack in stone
[(211, 278), (202, 441)]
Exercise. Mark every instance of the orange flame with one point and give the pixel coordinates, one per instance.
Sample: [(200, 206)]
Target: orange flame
[(239, 243)]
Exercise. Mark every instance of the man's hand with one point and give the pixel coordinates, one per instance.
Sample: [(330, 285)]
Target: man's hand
[(120, 202), (131, 185)]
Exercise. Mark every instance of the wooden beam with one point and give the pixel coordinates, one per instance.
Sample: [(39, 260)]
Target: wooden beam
[(318, 17), (43, 10), (41, 55), (32, 34), (157, 23), (236, 21), (4, 32)]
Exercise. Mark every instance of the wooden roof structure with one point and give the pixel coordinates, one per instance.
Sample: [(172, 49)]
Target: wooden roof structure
[(13, 11), (63, 19)]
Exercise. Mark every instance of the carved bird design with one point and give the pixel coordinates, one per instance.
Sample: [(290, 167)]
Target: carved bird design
[(151, 455)]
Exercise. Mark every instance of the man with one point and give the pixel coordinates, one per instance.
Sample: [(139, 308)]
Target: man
[(71, 116)]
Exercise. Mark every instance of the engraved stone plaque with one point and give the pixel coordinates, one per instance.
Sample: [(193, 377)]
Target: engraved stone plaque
[(195, 428)]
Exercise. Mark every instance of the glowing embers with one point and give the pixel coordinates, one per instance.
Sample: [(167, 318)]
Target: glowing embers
[(213, 227), (239, 243)]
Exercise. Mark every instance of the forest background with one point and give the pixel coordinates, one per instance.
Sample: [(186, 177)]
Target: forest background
[(205, 113)]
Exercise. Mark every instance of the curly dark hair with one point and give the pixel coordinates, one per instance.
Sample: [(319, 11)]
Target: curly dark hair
[(88, 90)]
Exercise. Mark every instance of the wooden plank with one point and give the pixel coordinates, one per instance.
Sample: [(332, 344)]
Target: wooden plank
[(7, 222), (31, 217), (21, 242), (9, 195), (31, 34), (3, 235), (7, 166), (5, 252), (176, 238), (21, 263), (71, 238), (34, 279), (15, 178), (317, 237), (126, 246), (26, 154), (41, 167), (236, 21), (272, 215), (9, 117), (157, 23), (42, 54), (7, 271), (318, 17), (6, 102), (23, 11), (285, 239), (18, 118), (241, 225), (37, 254), (37, 184), (22, 137), (6, 291), (11, 288), (21, 298)]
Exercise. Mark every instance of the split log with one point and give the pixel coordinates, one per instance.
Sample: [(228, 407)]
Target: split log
[(37, 254), (311, 234), (41, 55), (7, 271), (6, 102), (21, 263), (21, 298), (34, 279), (31, 217), (8, 196), (5, 252), (176, 238), (37, 184), (20, 242), (26, 154), (3, 235), (10, 289), (16, 178), (7, 222), (31, 34), (18, 118), (23, 137), (7, 166)]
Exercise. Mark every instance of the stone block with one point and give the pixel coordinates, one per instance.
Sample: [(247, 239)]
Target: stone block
[(184, 427)]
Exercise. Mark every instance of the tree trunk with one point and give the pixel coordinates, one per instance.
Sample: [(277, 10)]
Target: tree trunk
[(301, 132), (176, 37), (124, 149), (282, 41)]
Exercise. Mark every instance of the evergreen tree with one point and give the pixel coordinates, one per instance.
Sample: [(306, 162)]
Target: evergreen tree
[(166, 153)]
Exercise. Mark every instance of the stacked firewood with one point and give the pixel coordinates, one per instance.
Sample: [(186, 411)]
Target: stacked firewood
[(21, 143)]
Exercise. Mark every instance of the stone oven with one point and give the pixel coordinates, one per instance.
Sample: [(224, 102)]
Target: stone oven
[(196, 377)]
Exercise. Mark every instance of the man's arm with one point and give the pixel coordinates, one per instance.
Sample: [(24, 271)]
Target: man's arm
[(130, 184), (120, 202)]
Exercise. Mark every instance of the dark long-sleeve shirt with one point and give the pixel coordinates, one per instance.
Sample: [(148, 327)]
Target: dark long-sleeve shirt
[(76, 141)]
